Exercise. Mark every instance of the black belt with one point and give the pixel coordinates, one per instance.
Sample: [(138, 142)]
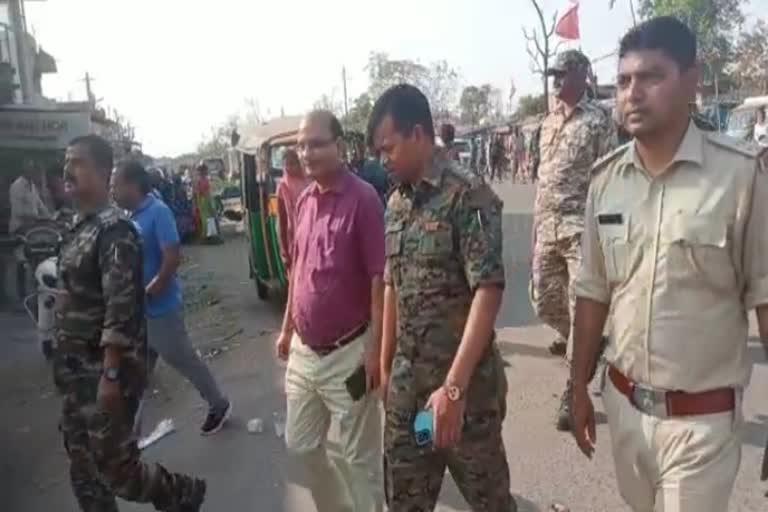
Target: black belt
[(324, 350)]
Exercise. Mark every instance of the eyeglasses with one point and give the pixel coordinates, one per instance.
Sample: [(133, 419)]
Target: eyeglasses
[(314, 144)]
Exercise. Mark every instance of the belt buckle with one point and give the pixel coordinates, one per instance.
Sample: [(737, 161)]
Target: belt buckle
[(645, 398)]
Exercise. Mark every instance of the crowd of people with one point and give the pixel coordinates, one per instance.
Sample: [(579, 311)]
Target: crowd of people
[(397, 304)]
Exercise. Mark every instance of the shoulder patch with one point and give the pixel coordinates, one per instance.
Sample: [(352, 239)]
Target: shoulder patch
[(481, 197), (604, 161), (461, 174), (745, 148), (110, 216)]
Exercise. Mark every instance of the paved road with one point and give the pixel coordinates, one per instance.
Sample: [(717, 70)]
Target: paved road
[(253, 473)]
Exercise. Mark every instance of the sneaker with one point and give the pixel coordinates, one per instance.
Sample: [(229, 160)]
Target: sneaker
[(194, 501), (215, 420), (564, 411)]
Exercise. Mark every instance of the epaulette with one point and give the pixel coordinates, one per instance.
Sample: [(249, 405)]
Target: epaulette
[(746, 148), (462, 175), (112, 216), (609, 158)]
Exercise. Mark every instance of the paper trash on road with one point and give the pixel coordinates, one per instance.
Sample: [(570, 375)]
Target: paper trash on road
[(164, 428), (256, 426)]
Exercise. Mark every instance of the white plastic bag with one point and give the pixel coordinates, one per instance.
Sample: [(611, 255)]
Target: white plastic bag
[(210, 228)]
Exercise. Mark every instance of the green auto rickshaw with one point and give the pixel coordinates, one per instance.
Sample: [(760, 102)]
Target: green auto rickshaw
[(261, 150)]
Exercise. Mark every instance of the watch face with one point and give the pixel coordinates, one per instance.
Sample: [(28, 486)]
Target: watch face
[(111, 373), (454, 393)]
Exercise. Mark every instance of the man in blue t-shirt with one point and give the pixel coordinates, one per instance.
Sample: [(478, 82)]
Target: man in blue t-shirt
[(166, 333)]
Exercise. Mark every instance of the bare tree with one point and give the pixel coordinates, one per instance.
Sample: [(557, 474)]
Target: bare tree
[(539, 47)]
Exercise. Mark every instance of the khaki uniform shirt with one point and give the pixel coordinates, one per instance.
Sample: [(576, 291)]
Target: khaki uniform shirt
[(569, 147), (680, 258)]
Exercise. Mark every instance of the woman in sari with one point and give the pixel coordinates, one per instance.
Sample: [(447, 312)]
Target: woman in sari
[(207, 228)]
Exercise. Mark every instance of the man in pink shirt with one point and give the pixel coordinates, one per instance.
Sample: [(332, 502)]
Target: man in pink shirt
[(332, 325)]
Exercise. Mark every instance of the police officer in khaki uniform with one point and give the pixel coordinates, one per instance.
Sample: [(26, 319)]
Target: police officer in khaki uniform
[(675, 245)]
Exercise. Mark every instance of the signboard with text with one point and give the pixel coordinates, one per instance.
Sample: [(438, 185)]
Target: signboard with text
[(41, 129)]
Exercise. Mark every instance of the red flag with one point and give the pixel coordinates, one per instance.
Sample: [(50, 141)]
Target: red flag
[(568, 26)]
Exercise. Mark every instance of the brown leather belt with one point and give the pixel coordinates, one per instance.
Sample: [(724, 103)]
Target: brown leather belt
[(673, 403), (324, 350)]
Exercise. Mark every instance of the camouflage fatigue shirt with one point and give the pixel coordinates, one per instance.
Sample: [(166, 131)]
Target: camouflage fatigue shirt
[(100, 302), (569, 146), (443, 240)]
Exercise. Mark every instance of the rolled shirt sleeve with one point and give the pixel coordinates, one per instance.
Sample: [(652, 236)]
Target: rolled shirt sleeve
[(120, 264), (756, 240), (478, 222), (592, 282)]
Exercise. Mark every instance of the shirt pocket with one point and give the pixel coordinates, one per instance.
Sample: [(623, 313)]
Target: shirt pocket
[(393, 239), (436, 242), (614, 239), (697, 246)]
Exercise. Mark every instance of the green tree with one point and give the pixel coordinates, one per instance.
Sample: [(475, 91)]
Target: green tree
[(713, 21), (438, 81), (330, 103), (219, 138), (357, 119), (531, 105), (480, 103), (217, 142), (750, 68), (540, 46)]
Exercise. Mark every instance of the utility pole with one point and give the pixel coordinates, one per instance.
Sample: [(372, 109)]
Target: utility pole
[(23, 58), (344, 80), (89, 91)]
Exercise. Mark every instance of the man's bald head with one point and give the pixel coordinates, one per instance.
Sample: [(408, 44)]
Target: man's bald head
[(320, 144), (325, 118)]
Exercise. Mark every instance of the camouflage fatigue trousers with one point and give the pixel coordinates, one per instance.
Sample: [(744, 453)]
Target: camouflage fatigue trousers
[(413, 475), (105, 459), (555, 266)]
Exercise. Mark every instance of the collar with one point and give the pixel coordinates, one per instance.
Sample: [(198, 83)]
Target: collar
[(339, 187), (148, 201), (580, 105), (82, 216), (691, 150), (433, 176)]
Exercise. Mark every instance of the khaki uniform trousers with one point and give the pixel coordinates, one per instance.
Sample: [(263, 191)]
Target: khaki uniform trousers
[(681, 464)]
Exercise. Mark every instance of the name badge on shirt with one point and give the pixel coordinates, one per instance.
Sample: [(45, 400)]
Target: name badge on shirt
[(610, 219)]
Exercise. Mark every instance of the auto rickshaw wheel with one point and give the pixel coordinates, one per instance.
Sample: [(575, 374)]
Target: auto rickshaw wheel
[(261, 290)]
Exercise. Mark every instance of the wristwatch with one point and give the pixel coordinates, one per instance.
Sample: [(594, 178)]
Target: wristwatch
[(454, 392), (112, 374)]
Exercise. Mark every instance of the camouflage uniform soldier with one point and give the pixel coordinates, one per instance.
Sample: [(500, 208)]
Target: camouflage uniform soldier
[(444, 280), (101, 335), (573, 136)]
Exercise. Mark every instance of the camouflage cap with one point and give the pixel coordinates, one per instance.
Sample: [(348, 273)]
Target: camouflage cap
[(569, 60)]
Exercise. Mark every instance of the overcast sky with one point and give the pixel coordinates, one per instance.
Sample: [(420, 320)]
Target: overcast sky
[(177, 67)]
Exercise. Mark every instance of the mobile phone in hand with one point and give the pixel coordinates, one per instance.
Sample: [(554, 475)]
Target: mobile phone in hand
[(356, 384), (423, 428)]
